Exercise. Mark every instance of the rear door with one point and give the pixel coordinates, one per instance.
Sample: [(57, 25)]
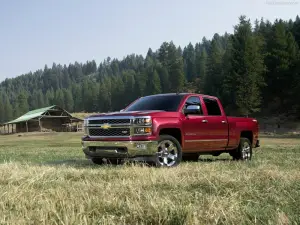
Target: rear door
[(195, 128), (217, 126)]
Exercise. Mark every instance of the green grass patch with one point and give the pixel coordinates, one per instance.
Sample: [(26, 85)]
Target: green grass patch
[(45, 179)]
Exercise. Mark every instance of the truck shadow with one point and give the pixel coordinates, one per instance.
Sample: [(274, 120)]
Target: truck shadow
[(215, 160), (78, 163), (85, 163)]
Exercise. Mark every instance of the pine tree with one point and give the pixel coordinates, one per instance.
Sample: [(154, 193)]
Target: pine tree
[(2, 113), (246, 77), (202, 67), (68, 100), (59, 98), (169, 58), (213, 79), (8, 110), (129, 82), (189, 62), (40, 99), (93, 99), (282, 73), (22, 106), (66, 82), (77, 98), (153, 83), (104, 98), (296, 30), (50, 96), (117, 94), (164, 78)]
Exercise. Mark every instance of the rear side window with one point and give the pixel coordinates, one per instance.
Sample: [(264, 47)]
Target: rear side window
[(212, 107)]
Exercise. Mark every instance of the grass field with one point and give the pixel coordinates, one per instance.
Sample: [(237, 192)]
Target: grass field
[(45, 179)]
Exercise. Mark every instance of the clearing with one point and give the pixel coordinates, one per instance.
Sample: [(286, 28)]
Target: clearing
[(45, 179)]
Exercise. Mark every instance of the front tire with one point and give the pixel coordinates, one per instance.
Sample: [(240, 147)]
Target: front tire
[(244, 151), (169, 152)]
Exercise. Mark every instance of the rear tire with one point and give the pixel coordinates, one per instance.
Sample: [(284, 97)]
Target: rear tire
[(244, 151), (169, 152)]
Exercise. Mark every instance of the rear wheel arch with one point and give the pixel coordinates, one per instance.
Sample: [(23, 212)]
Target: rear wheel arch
[(247, 134)]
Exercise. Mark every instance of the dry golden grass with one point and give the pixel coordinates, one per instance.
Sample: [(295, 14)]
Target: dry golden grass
[(45, 179)]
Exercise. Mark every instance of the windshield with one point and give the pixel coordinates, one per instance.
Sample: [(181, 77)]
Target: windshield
[(169, 103)]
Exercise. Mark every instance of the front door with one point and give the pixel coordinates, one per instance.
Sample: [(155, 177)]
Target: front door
[(195, 128)]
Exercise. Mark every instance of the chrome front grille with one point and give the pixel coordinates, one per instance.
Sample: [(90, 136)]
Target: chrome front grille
[(124, 132), (110, 121), (110, 127)]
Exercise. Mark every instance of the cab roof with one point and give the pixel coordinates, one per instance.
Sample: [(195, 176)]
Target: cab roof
[(181, 94)]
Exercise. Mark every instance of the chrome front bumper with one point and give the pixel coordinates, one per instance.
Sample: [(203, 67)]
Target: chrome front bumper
[(119, 149)]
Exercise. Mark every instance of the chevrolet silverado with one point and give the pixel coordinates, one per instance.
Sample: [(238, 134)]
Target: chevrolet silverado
[(167, 128)]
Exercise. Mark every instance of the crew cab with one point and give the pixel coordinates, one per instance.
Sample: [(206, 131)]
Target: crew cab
[(167, 128)]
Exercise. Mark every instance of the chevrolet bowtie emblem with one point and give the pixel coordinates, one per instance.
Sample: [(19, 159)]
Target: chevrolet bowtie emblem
[(105, 126)]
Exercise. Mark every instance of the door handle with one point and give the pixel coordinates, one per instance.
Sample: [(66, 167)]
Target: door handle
[(223, 121), (204, 121)]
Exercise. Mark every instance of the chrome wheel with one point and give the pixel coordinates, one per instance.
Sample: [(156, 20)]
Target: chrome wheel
[(167, 153), (246, 151)]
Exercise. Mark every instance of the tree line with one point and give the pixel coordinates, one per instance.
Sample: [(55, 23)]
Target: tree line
[(254, 71)]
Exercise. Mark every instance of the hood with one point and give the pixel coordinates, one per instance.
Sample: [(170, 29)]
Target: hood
[(130, 113)]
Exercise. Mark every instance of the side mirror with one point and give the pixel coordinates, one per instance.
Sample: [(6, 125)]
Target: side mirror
[(192, 109), (121, 110)]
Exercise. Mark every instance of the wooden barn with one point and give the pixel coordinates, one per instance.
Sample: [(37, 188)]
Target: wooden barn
[(52, 118)]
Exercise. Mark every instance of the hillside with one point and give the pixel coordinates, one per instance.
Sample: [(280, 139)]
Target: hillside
[(254, 71)]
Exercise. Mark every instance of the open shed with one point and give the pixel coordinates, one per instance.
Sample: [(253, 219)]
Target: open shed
[(52, 118)]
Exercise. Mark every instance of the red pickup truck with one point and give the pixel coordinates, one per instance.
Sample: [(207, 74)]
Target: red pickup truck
[(167, 128)]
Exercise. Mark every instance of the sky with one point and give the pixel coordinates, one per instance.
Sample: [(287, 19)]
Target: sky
[(35, 33)]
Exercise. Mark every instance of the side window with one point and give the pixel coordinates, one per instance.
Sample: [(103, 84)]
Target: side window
[(212, 107), (193, 100)]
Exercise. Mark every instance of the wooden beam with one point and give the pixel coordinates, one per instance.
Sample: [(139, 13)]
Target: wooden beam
[(55, 116), (54, 110), (40, 125)]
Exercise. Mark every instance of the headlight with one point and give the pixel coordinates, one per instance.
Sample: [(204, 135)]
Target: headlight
[(142, 125), (143, 121)]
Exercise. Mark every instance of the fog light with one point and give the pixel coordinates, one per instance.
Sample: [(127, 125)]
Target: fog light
[(148, 130), (142, 130)]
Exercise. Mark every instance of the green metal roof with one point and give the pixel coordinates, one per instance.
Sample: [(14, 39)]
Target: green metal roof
[(32, 114)]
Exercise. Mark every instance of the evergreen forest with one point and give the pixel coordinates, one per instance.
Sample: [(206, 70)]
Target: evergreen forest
[(255, 71)]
